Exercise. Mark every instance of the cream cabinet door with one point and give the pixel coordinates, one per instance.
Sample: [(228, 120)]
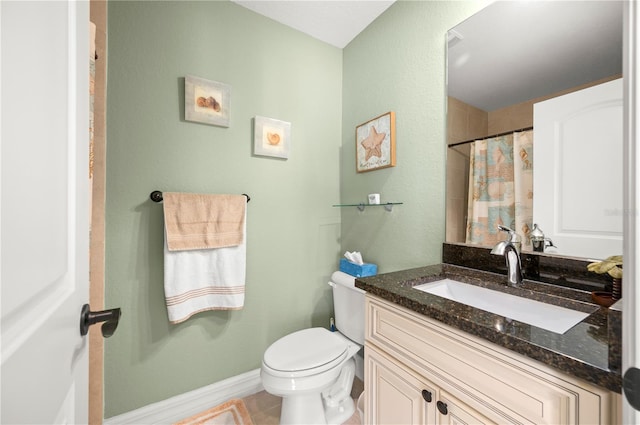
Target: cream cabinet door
[(395, 395)]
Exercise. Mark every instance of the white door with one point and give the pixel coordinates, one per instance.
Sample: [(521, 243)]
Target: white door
[(44, 230), (577, 152), (630, 292)]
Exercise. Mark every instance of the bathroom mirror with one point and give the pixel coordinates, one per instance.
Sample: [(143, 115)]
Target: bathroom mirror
[(503, 60)]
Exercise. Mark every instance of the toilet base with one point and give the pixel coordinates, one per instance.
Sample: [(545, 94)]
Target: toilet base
[(339, 405), (309, 409), (339, 414), (333, 406), (302, 409)]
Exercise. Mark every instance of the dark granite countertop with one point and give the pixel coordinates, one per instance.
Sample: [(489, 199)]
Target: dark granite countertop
[(590, 350)]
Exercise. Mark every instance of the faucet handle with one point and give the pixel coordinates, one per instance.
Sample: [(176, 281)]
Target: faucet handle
[(513, 238), (505, 228)]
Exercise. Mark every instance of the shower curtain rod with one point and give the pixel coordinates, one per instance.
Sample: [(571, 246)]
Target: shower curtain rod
[(489, 137), (156, 196)]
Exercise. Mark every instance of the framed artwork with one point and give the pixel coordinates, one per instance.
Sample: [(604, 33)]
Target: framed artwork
[(271, 137), (376, 143), (206, 101)]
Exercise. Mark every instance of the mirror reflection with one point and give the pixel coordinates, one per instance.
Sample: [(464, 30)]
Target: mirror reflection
[(534, 127)]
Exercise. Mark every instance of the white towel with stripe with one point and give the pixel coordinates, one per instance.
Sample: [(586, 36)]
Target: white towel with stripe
[(204, 279)]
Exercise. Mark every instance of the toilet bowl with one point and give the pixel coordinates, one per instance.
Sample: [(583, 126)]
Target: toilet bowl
[(315, 387), (313, 369)]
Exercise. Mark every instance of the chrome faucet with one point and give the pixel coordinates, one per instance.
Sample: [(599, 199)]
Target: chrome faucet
[(511, 254)]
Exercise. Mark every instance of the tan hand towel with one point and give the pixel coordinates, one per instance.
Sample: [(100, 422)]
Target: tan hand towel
[(195, 221)]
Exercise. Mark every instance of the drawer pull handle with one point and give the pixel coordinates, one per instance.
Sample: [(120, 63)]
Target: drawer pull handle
[(442, 407), (426, 395)]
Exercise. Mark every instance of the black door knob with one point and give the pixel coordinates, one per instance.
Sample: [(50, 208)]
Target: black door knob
[(631, 387), (109, 317), (426, 395)]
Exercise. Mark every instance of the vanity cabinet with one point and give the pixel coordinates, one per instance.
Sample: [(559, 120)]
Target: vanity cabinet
[(420, 371)]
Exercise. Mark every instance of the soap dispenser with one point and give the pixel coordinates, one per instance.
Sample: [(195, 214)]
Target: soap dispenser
[(537, 239)]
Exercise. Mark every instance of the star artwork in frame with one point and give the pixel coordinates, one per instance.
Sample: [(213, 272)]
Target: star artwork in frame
[(376, 144)]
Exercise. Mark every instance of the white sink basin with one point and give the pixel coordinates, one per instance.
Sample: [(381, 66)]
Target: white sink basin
[(546, 316)]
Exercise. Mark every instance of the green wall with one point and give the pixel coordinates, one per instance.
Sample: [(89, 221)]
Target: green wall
[(294, 237), (398, 64), (292, 230)]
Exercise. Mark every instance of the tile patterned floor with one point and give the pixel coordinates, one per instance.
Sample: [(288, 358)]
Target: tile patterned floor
[(264, 408)]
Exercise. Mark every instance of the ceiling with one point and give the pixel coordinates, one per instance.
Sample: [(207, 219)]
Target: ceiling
[(509, 52), (335, 22)]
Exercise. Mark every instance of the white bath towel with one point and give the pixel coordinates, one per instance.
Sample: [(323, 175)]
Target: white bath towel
[(204, 279)]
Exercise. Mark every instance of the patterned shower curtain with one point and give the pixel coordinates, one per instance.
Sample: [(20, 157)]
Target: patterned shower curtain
[(501, 188)]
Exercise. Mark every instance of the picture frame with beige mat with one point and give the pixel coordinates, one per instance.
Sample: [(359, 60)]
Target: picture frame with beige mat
[(206, 101), (232, 412), (271, 137)]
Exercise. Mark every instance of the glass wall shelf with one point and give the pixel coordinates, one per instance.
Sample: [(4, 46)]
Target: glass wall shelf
[(387, 206)]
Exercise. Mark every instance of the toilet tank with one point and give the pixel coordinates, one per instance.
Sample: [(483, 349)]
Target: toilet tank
[(348, 303)]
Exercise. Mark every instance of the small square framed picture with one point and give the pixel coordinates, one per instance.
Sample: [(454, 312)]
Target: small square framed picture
[(206, 101), (271, 137)]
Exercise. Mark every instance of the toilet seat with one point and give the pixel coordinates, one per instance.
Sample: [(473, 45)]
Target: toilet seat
[(306, 352)]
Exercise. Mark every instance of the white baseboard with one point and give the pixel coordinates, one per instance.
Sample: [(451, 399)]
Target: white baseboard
[(184, 405)]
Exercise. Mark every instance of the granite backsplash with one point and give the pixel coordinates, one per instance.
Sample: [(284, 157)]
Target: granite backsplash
[(569, 272)]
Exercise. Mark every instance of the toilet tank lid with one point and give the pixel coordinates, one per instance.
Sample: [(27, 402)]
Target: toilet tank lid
[(343, 278)]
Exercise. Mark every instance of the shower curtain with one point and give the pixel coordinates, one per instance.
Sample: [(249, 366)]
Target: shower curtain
[(500, 188)]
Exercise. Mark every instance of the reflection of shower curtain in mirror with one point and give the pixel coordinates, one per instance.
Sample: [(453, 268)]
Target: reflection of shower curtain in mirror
[(501, 188)]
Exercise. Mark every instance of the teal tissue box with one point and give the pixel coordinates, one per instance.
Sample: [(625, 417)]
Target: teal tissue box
[(358, 270)]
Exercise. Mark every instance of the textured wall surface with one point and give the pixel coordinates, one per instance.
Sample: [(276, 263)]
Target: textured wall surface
[(292, 231), (295, 237), (398, 64)]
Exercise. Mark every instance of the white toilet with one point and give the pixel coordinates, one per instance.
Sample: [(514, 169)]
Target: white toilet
[(313, 369)]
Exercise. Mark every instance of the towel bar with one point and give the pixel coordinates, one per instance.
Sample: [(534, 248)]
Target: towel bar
[(156, 196)]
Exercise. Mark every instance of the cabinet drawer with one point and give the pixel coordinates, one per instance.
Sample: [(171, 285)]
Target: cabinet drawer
[(504, 386), (457, 412)]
